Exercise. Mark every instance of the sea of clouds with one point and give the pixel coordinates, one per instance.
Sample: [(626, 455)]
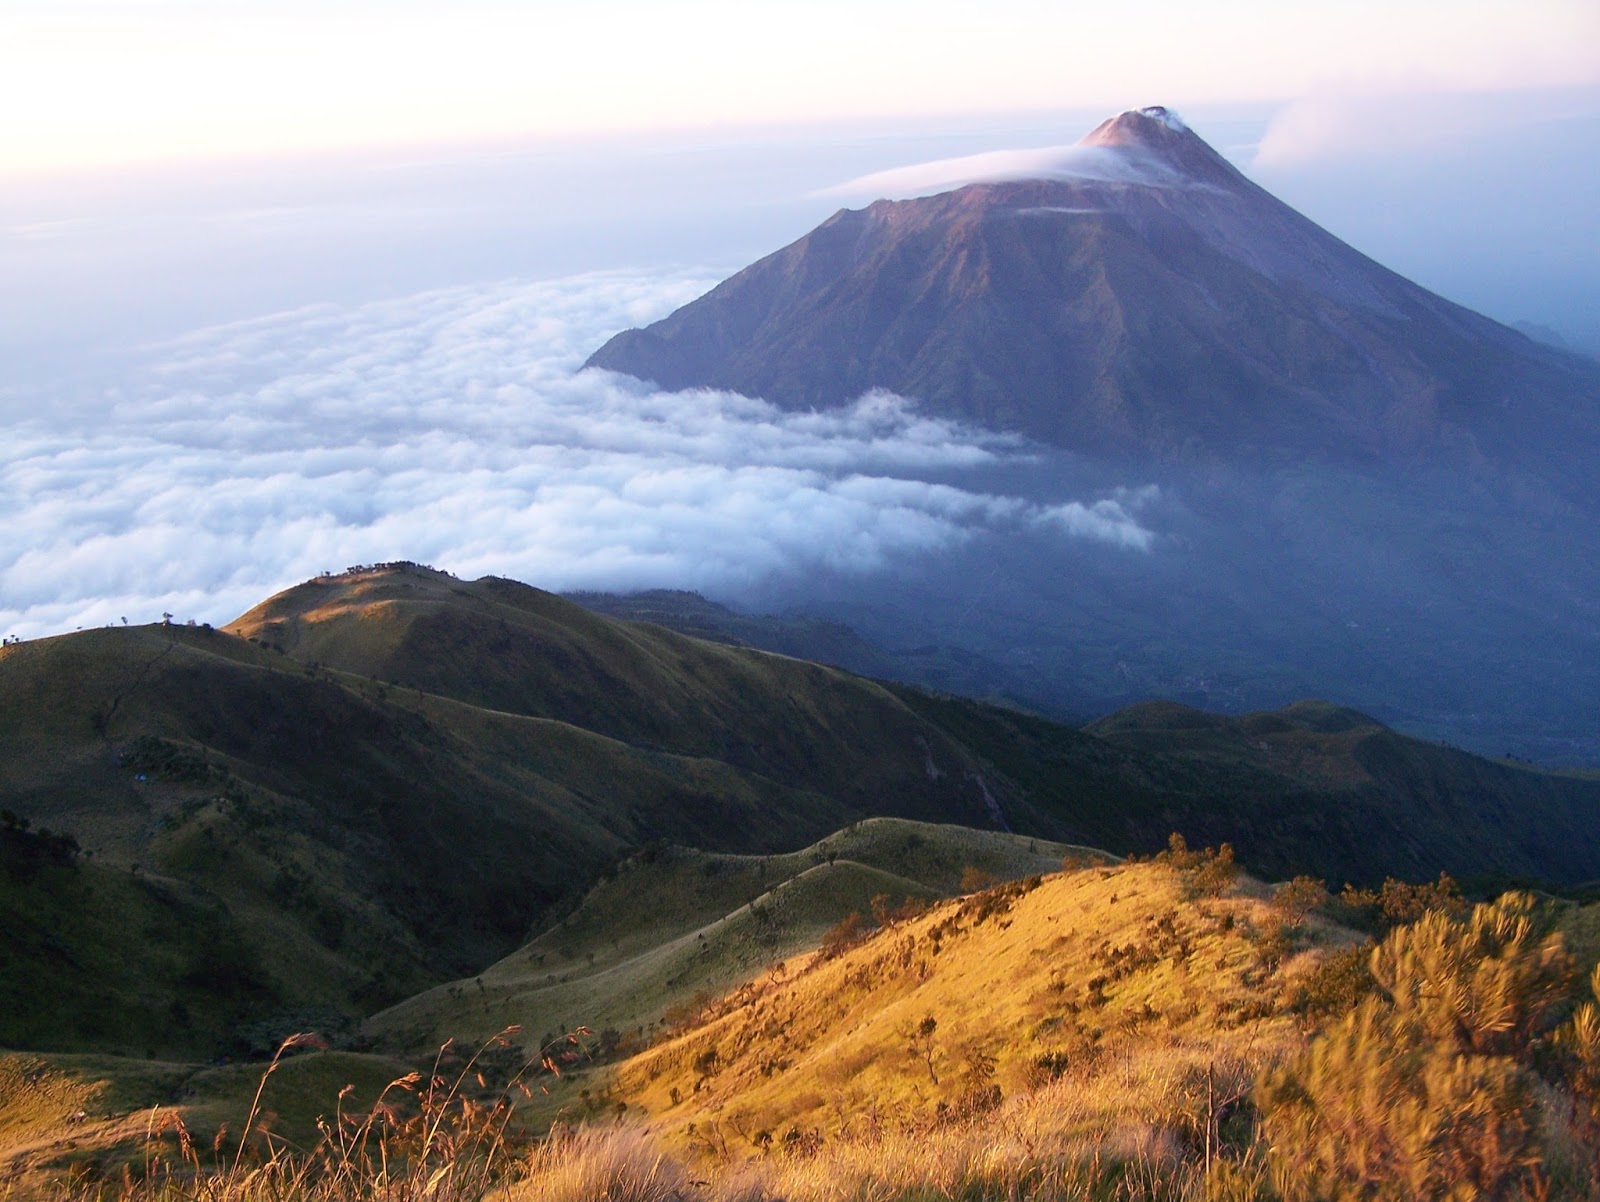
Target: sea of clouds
[(453, 427)]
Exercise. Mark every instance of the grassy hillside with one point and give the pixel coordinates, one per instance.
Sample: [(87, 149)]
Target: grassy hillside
[(63, 1115), (102, 957), (1308, 788), (388, 780), (499, 645), (1151, 1030), (1104, 974), (1300, 789), (669, 929), (356, 841), (674, 926)]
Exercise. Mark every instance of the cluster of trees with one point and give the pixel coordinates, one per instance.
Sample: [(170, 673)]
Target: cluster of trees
[(390, 565)]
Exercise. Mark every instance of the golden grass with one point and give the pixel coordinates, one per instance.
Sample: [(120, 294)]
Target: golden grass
[(584, 1164), (1112, 973), (682, 923), (1008, 975), (444, 1135), (1102, 1034), (1046, 1147), (1050, 1146)]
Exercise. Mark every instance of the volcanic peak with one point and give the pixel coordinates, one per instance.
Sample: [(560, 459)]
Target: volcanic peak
[(1164, 115), (1150, 126), (1160, 134)]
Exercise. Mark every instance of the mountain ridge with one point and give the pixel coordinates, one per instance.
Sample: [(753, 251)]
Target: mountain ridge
[(371, 811)]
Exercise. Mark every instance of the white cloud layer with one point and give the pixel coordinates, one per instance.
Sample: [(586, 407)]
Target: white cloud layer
[(453, 428), (1113, 519), (1097, 164), (1331, 126)]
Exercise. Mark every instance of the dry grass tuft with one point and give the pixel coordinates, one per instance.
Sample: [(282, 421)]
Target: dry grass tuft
[(581, 1164)]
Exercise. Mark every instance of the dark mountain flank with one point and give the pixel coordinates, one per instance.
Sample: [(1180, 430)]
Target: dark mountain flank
[(376, 782), (1158, 304)]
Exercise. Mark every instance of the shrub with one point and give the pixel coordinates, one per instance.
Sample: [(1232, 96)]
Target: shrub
[(974, 879), (841, 937), (24, 851), (1049, 1066), (1294, 900), (1425, 1090), (1210, 870), (1335, 986), (1398, 902)]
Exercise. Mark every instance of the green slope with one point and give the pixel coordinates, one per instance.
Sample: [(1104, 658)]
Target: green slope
[(366, 840), (1311, 788), (673, 924)]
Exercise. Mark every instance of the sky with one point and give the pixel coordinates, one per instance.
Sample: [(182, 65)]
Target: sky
[(106, 81), (289, 286)]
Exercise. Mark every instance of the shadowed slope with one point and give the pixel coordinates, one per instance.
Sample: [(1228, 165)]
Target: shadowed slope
[(1309, 788), (349, 841), (497, 644)]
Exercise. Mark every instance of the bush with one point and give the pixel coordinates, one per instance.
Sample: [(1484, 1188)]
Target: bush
[(24, 851), (1211, 870), (1335, 986), (1425, 1090), (974, 879), (1296, 899), (1398, 902), (841, 937)]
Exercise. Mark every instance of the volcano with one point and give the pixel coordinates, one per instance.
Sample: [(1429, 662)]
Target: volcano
[(1137, 299), (1365, 490)]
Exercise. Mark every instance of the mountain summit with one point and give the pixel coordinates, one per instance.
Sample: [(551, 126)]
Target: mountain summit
[(1160, 134), (1146, 301)]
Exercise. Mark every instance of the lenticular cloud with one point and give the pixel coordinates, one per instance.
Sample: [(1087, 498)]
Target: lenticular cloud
[(454, 428)]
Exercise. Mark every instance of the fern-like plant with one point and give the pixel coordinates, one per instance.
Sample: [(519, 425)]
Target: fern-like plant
[(1425, 1090)]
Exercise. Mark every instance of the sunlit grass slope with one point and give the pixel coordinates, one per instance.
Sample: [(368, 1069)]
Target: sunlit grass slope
[(1120, 978), (674, 926)]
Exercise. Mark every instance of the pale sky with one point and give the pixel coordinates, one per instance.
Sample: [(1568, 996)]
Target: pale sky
[(102, 82)]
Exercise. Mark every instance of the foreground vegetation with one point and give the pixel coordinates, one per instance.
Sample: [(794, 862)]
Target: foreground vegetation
[(1167, 1029)]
